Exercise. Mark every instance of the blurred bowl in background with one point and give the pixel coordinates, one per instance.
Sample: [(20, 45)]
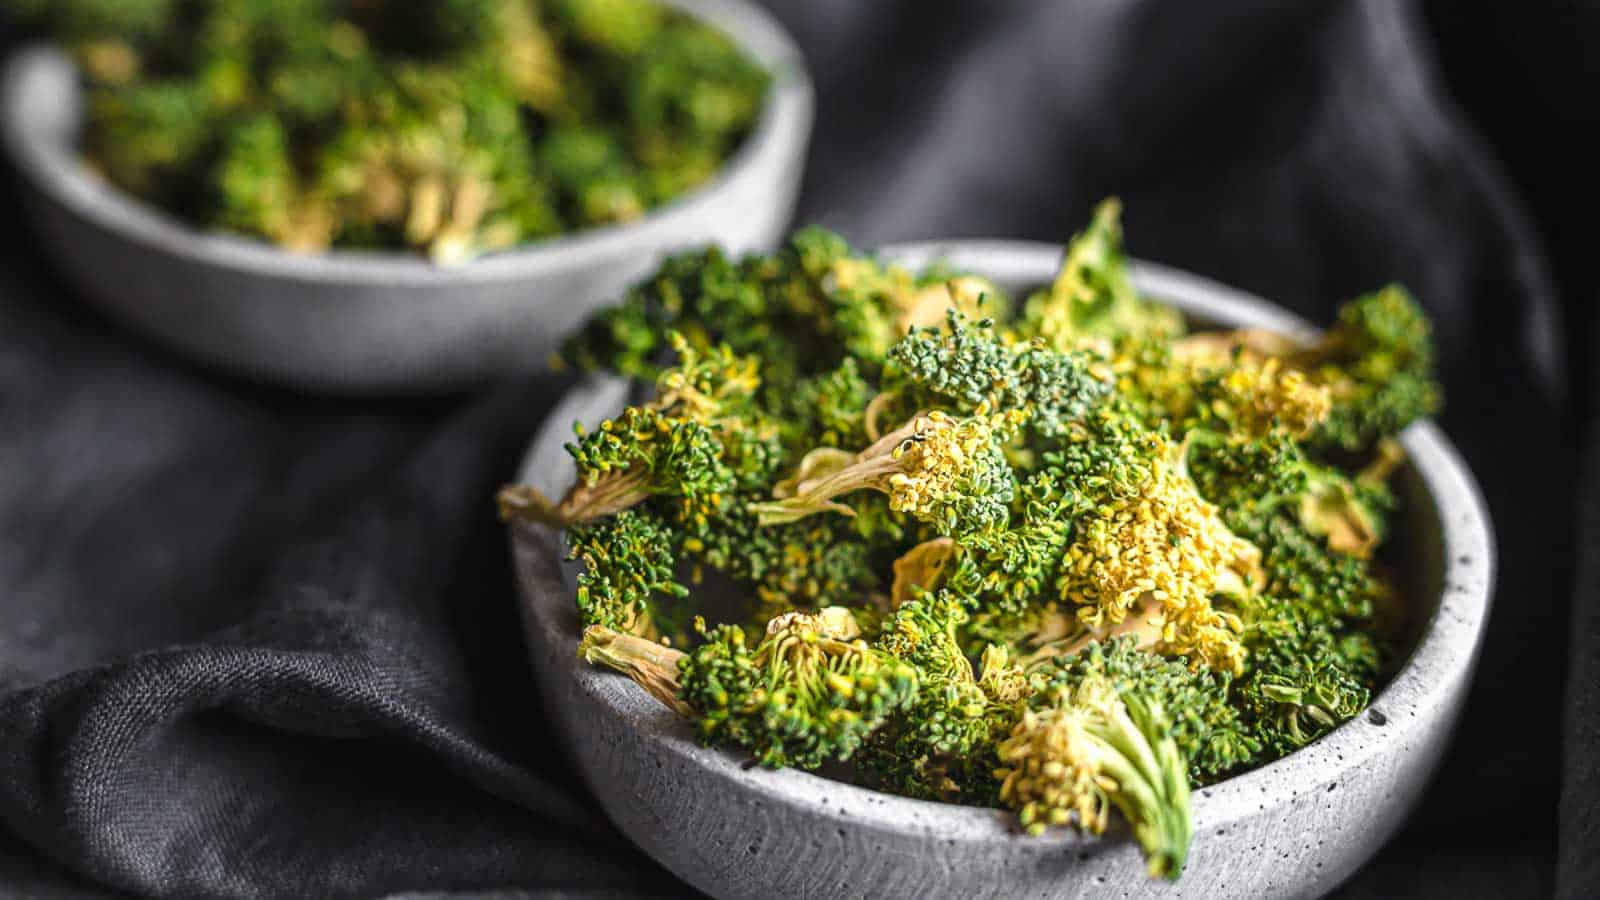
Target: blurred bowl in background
[(375, 322), (1293, 828)]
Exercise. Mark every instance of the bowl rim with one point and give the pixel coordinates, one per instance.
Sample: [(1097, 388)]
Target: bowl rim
[(1436, 670), (56, 169)]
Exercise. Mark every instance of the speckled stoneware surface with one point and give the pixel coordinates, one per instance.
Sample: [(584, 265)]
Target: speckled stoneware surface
[(380, 322), (1294, 828)]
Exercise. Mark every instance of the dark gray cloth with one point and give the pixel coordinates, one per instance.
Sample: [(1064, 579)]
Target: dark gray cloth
[(258, 644)]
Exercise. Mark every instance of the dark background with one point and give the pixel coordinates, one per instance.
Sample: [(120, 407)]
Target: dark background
[(253, 643)]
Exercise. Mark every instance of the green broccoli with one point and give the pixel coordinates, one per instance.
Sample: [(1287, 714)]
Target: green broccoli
[(637, 455), (1306, 677), (696, 442), (965, 364), (943, 746), (1377, 362), (947, 472), (819, 561), (1077, 752), (830, 409), (1092, 302), (809, 692), (452, 127), (1367, 378), (629, 561), (1209, 731), (1084, 561)]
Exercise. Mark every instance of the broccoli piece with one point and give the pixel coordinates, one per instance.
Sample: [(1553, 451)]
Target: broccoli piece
[(942, 747), (595, 172), (628, 560), (820, 561), (690, 97), (1250, 398), (809, 692), (1305, 677), (697, 441), (1006, 571), (966, 365), (637, 455), (1077, 752), (1377, 362), (651, 665), (148, 135), (1367, 378), (1092, 303), (1255, 479), (1206, 727), (1308, 670), (687, 294), (863, 304), (830, 410), (710, 386), (845, 301), (259, 191), (1143, 528), (619, 27), (945, 471)]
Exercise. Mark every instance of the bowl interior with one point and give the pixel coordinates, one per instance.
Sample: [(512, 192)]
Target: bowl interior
[(1444, 551)]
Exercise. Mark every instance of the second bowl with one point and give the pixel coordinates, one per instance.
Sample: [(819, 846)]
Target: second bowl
[(381, 322)]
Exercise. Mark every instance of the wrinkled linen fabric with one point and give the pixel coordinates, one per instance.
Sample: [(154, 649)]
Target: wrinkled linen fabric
[(256, 644)]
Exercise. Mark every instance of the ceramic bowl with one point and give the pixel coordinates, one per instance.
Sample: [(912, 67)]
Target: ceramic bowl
[(351, 321), (1294, 828)]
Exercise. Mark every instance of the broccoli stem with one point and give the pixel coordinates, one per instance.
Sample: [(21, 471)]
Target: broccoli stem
[(652, 666), (606, 496)]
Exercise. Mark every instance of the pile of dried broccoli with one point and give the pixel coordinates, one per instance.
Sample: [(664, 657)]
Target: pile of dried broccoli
[(451, 126), (1058, 555)]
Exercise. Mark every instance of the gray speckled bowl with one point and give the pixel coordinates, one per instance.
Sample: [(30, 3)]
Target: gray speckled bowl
[(365, 322), (1294, 828)]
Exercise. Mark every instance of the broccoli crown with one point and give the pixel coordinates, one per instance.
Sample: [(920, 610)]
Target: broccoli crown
[(1250, 398), (967, 365), (830, 409), (644, 453), (1076, 753), (1377, 362), (947, 472), (1206, 727), (628, 562), (1306, 679), (1068, 561), (1311, 665), (804, 695), (819, 561), (1314, 525), (943, 747), (1151, 532), (1093, 300), (1007, 570), (703, 295)]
